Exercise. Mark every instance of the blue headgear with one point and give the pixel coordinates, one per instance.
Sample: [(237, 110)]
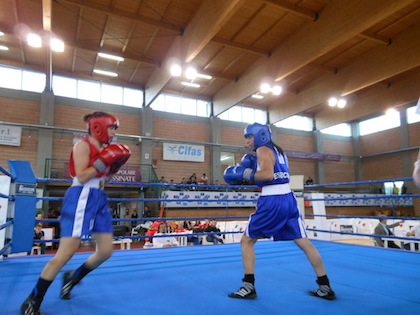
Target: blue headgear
[(261, 133)]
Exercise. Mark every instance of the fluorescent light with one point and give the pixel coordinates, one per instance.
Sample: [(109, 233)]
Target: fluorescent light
[(112, 57), (204, 76), (34, 40), (103, 72), (4, 47), (224, 158), (1, 33), (257, 96), (57, 45), (190, 84)]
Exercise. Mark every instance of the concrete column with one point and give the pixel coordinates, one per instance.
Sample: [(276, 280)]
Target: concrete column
[(216, 167)]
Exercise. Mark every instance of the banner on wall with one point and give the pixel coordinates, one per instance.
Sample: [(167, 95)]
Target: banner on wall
[(208, 199), (10, 135), (183, 152)]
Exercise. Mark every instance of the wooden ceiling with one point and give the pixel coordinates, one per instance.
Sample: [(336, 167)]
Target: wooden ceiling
[(367, 51)]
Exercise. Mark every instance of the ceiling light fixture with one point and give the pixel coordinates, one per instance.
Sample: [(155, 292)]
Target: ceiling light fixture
[(57, 45), (34, 40), (266, 88), (257, 96), (339, 102), (107, 73), (176, 70), (4, 47), (1, 33), (191, 73), (109, 56), (204, 76), (191, 84)]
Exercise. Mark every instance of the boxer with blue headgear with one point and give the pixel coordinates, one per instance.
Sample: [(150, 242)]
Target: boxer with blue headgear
[(277, 213), (261, 134)]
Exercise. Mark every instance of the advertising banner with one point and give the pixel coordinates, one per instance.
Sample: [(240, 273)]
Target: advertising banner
[(183, 152)]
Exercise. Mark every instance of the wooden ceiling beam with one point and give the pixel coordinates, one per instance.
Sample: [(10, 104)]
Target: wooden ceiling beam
[(241, 47), (372, 101), (374, 66), (124, 15), (207, 22), (312, 41), (290, 7)]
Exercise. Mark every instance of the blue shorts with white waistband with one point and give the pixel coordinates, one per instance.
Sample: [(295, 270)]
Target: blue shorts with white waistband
[(276, 216), (85, 211)]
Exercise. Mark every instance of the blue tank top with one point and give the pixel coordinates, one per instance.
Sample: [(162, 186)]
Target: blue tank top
[(281, 169)]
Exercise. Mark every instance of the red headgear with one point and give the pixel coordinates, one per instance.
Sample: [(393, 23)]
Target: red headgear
[(98, 127)]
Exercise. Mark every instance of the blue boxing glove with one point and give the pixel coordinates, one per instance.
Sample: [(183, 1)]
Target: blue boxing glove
[(249, 161), (233, 174)]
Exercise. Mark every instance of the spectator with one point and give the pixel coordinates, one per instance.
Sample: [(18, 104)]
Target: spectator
[(163, 180), (309, 181), (211, 228), (134, 215), (204, 179), (193, 179), (146, 212), (163, 242), (413, 232), (187, 225), (152, 230), (39, 235), (395, 190), (383, 229)]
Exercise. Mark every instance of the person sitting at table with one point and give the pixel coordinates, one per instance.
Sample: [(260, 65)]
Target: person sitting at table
[(416, 233), (216, 239), (163, 242), (383, 229)]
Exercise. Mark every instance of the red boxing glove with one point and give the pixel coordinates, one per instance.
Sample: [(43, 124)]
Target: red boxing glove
[(108, 156), (117, 164)]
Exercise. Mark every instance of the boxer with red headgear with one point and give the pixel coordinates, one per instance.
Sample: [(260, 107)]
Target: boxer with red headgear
[(98, 124), (85, 210)]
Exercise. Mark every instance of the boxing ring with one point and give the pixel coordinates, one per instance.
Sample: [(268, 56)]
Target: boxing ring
[(197, 279)]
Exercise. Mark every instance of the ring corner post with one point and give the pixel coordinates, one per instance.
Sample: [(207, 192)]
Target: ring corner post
[(24, 210)]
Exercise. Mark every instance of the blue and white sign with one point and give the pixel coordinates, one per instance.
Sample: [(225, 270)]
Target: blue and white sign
[(183, 152)]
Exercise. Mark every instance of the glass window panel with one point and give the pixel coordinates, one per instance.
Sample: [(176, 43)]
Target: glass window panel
[(90, 91), (412, 116), (111, 94), (189, 106), (261, 116), (235, 113), (224, 115), (33, 81), (338, 130), (248, 115), (385, 122), (132, 97), (203, 108), (159, 103), (64, 86), (172, 104), (10, 78)]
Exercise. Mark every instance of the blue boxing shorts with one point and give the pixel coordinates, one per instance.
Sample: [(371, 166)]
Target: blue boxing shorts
[(276, 216), (85, 211)]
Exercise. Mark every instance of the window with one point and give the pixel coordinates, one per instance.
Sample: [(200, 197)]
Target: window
[(111, 94), (64, 86), (133, 98), (384, 122), (244, 114), (338, 130), (296, 122), (412, 116), (179, 105), (10, 78), (87, 90), (33, 81)]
